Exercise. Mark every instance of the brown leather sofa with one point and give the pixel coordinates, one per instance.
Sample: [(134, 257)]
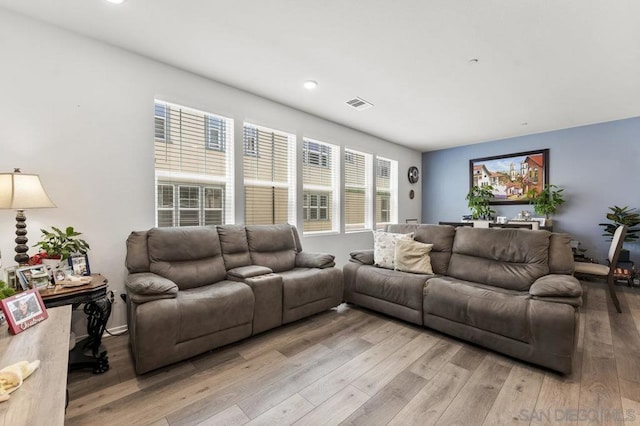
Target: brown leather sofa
[(509, 290), (193, 289)]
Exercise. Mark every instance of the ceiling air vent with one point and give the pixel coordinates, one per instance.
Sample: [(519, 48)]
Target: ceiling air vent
[(359, 104)]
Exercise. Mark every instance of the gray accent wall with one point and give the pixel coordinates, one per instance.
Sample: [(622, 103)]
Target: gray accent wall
[(598, 165)]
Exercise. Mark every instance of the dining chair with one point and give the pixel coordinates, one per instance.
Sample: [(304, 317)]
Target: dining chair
[(606, 271)]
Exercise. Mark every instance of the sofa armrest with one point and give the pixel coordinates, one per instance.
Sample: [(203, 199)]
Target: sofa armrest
[(364, 257), (243, 272), (144, 287), (314, 260), (557, 288)]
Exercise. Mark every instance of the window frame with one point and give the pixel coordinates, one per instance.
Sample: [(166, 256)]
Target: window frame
[(177, 209), (320, 152), (165, 121)]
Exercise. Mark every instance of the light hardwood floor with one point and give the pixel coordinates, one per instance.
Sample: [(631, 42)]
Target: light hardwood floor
[(353, 366)]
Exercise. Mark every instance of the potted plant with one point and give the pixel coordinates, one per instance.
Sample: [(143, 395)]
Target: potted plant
[(622, 216), (547, 201), (59, 244), (478, 201)]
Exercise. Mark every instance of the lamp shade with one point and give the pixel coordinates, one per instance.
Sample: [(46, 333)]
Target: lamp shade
[(19, 191)]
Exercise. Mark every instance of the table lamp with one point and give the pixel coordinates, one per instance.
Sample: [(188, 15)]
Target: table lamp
[(19, 192)]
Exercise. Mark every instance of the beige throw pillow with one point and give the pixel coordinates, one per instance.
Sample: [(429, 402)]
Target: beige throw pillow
[(413, 256), (384, 247)]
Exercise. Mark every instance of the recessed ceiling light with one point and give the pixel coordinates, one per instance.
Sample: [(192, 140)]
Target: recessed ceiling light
[(116, 1), (310, 84)]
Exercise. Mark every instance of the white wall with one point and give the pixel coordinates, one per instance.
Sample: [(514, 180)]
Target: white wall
[(80, 113)]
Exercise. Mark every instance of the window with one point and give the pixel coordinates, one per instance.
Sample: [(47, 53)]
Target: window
[(320, 174), (358, 170), (250, 141), (160, 117), (316, 154), (214, 132), (269, 179), (386, 192), (197, 205), (316, 206), (194, 173)]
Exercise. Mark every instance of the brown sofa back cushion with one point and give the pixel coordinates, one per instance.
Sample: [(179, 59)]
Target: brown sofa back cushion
[(235, 248), (507, 258), (189, 256), (560, 254), (137, 259), (273, 246), (441, 236)]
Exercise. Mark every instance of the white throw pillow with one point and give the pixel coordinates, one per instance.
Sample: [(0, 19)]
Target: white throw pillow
[(413, 256), (384, 248)]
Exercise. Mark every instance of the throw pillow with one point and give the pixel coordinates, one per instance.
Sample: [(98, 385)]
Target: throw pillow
[(413, 256), (384, 247)]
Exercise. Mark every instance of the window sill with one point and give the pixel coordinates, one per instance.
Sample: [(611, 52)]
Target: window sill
[(319, 233)]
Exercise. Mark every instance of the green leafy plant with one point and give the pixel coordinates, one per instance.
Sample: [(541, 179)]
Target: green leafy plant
[(622, 216), (547, 201), (5, 290), (60, 244), (478, 199)]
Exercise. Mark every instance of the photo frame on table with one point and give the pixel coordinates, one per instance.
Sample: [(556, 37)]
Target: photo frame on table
[(79, 264), (24, 310), (511, 175), (24, 274)]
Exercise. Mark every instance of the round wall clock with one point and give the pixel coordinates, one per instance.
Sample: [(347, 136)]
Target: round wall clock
[(414, 174)]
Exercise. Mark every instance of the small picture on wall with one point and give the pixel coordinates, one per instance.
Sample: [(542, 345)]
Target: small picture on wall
[(79, 265), (512, 175)]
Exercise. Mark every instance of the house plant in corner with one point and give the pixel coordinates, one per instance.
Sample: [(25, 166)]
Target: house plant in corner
[(478, 199), (547, 201), (57, 245), (622, 216)]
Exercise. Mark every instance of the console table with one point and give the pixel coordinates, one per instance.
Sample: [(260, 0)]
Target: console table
[(87, 353), (41, 398)]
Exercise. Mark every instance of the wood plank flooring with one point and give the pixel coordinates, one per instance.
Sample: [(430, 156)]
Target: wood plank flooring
[(352, 366)]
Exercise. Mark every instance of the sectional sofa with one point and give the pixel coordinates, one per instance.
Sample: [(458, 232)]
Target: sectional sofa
[(193, 289), (510, 290)]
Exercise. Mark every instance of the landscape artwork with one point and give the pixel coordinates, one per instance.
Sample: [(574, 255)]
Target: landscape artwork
[(512, 175)]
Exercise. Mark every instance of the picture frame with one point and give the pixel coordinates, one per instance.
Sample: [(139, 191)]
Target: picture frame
[(24, 310), (11, 278), (79, 264), (511, 175), (24, 274), (60, 275)]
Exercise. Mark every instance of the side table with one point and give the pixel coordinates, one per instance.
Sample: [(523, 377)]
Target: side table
[(88, 353)]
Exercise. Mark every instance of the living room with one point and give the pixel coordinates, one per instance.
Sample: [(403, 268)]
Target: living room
[(78, 110)]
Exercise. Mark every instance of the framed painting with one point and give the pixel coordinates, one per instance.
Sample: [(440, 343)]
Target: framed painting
[(24, 310), (511, 176)]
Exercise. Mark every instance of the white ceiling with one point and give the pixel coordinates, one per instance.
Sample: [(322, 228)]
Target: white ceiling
[(551, 64)]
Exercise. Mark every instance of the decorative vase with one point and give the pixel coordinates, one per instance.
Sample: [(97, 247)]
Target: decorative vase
[(51, 265)]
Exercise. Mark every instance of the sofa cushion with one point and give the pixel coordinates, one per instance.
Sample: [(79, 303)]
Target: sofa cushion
[(384, 248), (507, 258), (301, 286), (503, 312), (137, 253), (441, 236), (272, 246), (235, 248), (560, 254), (401, 288), (208, 309), (189, 256), (413, 256)]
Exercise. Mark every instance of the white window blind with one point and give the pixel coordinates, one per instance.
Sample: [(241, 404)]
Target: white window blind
[(358, 168), (386, 192), (269, 176), (193, 166), (320, 181)]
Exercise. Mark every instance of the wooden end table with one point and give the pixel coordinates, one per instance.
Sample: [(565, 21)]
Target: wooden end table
[(89, 352)]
